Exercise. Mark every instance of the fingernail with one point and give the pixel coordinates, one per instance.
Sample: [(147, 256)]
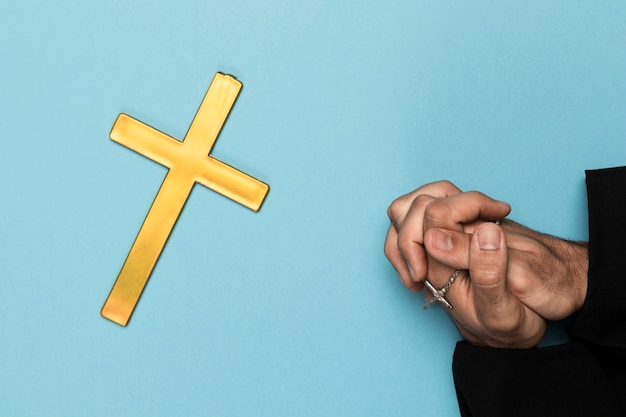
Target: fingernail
[(441, 240), (488, 238)]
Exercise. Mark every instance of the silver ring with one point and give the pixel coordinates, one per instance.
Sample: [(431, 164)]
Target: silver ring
[(440, 295)]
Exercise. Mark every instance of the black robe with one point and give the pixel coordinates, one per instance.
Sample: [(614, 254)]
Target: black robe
[(586, 377)]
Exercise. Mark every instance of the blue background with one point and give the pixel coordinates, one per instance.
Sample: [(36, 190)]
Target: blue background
[(292, 311)]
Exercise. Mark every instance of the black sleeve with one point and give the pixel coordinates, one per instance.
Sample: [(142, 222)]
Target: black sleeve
[(586, 377), (602, 320), (564, 380), (601, 323)]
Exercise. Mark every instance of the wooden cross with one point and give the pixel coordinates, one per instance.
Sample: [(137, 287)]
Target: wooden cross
[(189, 162)]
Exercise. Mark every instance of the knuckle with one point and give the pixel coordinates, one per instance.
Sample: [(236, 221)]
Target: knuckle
[(489, 275), (393, 209), (447, 186), (405, 241), (521, 279), (391, 251), (398, 208), (387, 252), (421, 201), (436, 212)]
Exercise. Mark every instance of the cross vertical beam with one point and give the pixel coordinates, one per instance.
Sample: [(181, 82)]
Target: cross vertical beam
[(188, 162)]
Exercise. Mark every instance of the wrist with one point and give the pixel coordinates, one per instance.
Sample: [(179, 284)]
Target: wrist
[(574, 256), (579, 269)]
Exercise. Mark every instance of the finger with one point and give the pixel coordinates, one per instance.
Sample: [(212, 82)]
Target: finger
[(411, 238), (439, 275), (400, 206), (495, 306), (509, 321), (448, 247), (413, 222), (392, 252), (465, 208), (522, 280)]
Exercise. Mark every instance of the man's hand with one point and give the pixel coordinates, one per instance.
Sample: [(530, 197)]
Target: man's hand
[(411, 266), (432, 231), (484, 309), (547, 274), (439, 204)]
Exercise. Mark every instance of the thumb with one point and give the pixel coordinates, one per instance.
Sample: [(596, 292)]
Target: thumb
[(496, 308)]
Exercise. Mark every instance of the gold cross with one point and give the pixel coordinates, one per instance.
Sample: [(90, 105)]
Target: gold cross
[(189, 162)]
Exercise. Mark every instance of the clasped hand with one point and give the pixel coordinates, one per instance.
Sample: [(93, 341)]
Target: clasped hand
[(512, 278)]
